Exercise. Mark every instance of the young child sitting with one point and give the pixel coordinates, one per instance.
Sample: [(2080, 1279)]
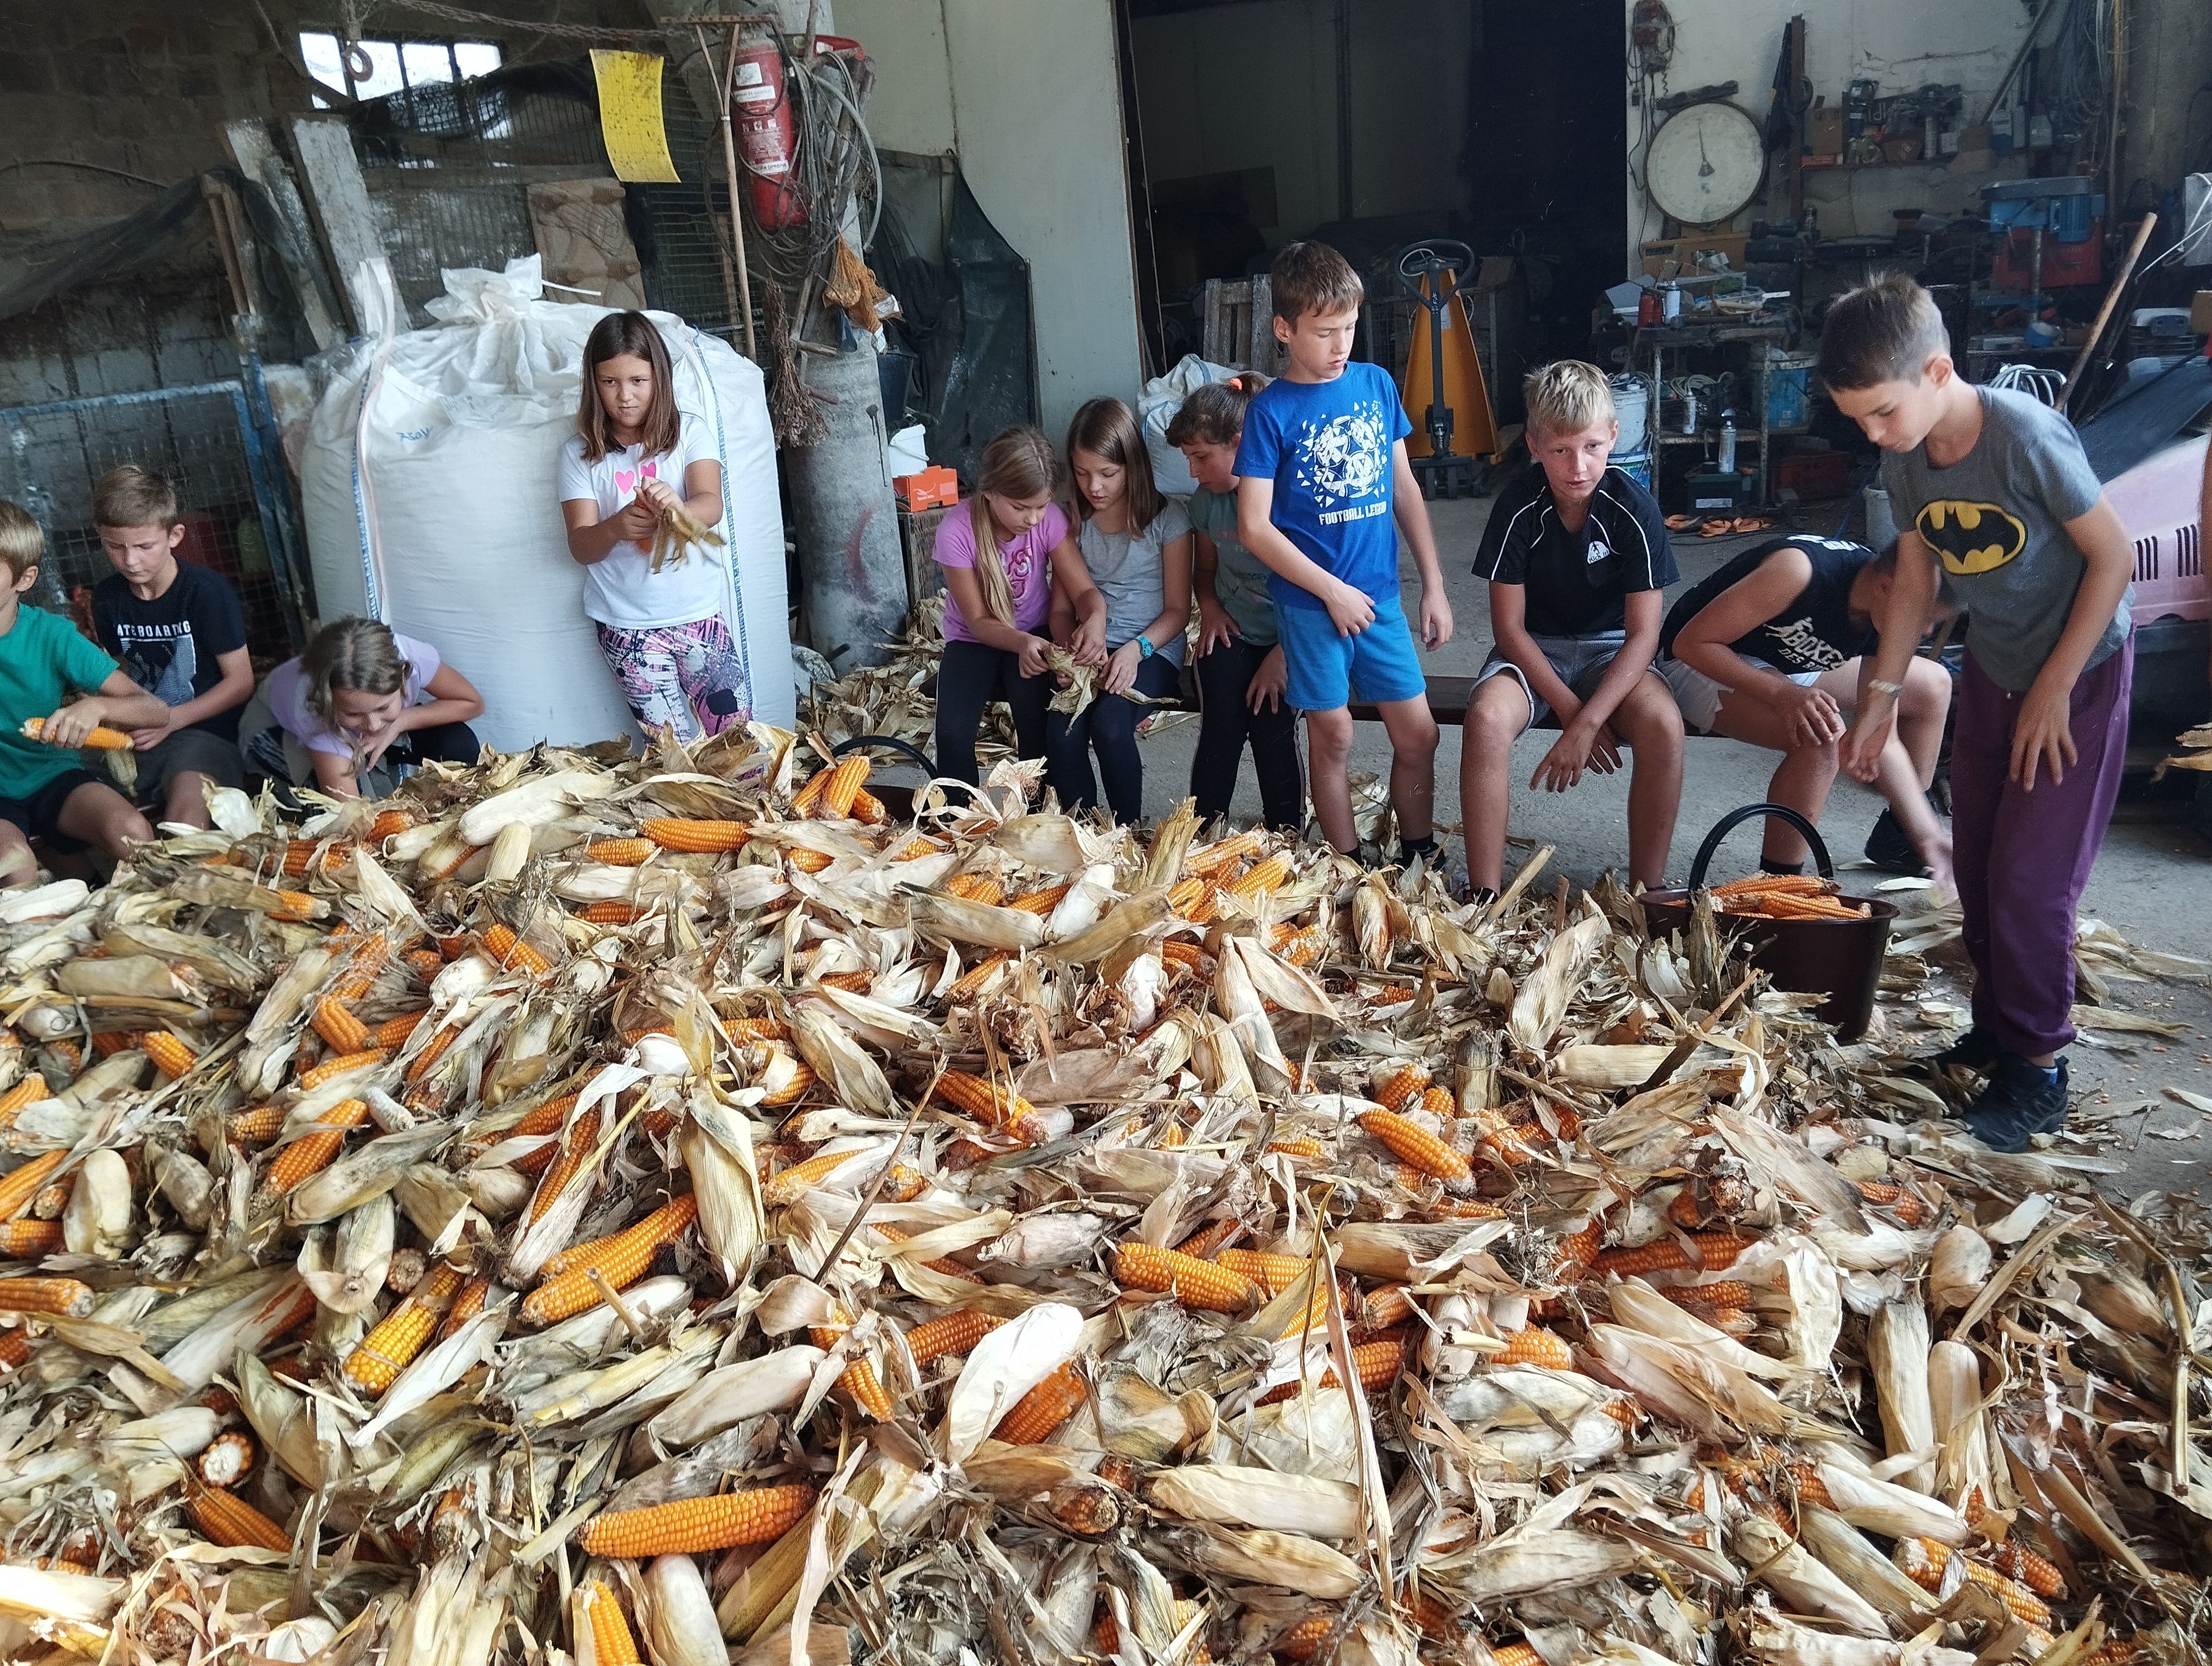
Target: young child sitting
[(44, 791), (1240, 662), (180, 633), (1766, 650), (361, 699), (1133, 544), (1576, 555), (1994, 486), (1323, 477)]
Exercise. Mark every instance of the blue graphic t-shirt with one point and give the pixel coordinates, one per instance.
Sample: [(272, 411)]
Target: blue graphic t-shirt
[(1326, 446)]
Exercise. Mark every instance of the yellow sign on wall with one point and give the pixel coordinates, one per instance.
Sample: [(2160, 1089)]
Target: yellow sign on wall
[(630, 116)]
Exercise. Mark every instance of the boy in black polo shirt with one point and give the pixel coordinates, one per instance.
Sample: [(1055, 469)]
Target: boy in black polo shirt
[(1576, 555), (180, 633)]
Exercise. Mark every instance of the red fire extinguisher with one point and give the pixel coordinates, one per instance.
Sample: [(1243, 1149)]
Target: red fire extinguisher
[(761, 110)]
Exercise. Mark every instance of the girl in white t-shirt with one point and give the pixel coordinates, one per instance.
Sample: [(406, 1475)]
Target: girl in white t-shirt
[(633, 458)]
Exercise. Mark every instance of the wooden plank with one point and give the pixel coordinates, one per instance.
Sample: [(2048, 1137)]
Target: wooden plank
[(340, 201), (255, 151), (1261, 356)]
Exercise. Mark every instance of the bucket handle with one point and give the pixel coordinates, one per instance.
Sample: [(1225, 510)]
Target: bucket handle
[(1735, 818)]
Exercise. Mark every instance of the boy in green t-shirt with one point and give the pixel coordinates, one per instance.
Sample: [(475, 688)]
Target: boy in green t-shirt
[(43, 793)]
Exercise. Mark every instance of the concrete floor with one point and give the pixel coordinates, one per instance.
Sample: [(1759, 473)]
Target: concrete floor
[(2153, 879)]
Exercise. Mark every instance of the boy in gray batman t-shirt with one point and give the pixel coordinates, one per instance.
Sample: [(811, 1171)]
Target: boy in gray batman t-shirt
[(1993, 492)]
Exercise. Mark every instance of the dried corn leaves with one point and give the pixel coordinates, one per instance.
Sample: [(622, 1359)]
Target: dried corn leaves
[(998, 1237)]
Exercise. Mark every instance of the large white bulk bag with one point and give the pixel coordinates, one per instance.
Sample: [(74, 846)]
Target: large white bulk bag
[(431, 503)]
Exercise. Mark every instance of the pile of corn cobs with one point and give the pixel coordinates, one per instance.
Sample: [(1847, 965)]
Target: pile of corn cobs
[(589, 1208)]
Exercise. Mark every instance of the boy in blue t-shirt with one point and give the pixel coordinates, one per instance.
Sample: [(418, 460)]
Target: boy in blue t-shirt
[(1324, 491), (44, 794)]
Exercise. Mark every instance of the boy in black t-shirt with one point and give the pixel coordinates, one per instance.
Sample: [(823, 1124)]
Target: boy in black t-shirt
[(180, 634), (1576, 555)]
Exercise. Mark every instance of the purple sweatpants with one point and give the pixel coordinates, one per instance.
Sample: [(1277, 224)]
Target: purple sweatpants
[(2023, 857)]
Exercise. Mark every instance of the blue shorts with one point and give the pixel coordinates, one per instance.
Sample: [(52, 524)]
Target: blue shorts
[(1324, 668)]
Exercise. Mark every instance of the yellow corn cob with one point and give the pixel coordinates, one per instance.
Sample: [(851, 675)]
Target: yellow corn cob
[(785, 1187), (753, 1030), (977, 887), (511, 953), (950, 1333), (310, 1079), (1385, 1306), (1302, 1640), (945, 1264), (311, 1153), (226, 1459), (427, 1060), (299, 856), (20, 1185), (52, 1201), (256, 1127), (102, 738), (367, 961), (1806, 1483), (904, 1184), (803, 801), (1272, 1273), (390, 1348), (1431, 1618), (344, 1031), (859, 1383), (1193, 1282), (1042, 1409), (1211, 1239), (1535, 1345), (466, 1305), (810, 862), (1259, 879), (1187, 895), (1188, 956), (227, 1519), (845, 780), (1924, 1561), (916, 848), (1040, 902), (423, 962), (2016, 1561), (1402, 1085), (1501, 1139), (1306, 1148), (869, 810), (544, 1119), (108, 1043), (1374, 1363), (572, 1154), (970, 982), (170, 1056), (27, 1240), (1415, 1146), (1439, 1103), (1515, 1654), (2116, 1652), (683, 833), (1717, 1250), (70, 1298), (389, 821), (295, 905), (391, 1035), (690, 1526), (992, 1103), (1214, 860), (852, 982), (14, 1348), (611, 913), (1903, 1204), (1623, 1411), (1727, 1292), (611, 1642), (28, 1092), (794, 1090), (619, 852), (621, 1264)]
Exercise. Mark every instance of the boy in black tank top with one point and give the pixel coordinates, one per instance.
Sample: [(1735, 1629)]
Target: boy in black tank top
[(1770, 649)]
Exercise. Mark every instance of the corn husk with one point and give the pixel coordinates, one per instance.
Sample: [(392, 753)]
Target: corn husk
[(1897, 1354)]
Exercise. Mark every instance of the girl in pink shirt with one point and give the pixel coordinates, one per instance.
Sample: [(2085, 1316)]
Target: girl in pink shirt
[(1002, 552)]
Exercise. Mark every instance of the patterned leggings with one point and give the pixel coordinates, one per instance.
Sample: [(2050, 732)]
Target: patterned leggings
[(670, 672)]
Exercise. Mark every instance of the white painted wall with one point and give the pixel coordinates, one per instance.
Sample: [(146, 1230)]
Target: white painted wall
[(1233, 87), (1901, 43), (1028, 92)]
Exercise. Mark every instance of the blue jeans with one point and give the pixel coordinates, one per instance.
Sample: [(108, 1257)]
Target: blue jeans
[(1108, 726)]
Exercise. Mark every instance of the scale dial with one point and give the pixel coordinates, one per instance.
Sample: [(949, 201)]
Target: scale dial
[(1705, 163)]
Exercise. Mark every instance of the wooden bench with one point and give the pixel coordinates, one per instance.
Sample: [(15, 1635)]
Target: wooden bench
[(1448, 698)]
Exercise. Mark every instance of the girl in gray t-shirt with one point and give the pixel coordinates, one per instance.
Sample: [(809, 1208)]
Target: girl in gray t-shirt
[(1135, 545)]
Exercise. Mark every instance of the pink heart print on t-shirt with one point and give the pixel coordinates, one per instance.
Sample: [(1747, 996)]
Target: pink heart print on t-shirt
[(625, 481)]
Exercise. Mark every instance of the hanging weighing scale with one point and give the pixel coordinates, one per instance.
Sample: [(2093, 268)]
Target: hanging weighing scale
[(1705, 164)]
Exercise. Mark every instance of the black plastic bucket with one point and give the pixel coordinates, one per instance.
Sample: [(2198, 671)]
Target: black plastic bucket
[(1840, 959)]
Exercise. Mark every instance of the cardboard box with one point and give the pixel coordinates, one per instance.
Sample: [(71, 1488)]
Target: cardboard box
[(932, 489), (1824, 129), (2200, 313), (1673, 257)]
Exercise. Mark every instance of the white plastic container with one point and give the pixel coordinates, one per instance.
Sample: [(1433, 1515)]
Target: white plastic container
[(429, 483)]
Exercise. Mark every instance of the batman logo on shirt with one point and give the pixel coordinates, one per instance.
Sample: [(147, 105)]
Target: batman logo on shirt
[(1970, 538)]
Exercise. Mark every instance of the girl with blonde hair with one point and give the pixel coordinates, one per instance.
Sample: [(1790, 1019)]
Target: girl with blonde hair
[(361, 699)]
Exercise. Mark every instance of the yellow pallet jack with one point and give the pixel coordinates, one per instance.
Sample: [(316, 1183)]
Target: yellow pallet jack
[(1443, 377)]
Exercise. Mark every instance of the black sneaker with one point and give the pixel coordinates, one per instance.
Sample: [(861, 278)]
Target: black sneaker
[(1976, 1050), (1890, 849), (2021, 1100)]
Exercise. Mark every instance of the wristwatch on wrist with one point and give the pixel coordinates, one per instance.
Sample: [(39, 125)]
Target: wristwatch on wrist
[(1144, 649), (1879, 685)]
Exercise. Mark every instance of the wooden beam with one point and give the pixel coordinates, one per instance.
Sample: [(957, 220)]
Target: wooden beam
[(255, 151), (341, 208)]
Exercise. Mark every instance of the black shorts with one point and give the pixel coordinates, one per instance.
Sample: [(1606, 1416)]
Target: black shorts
[(40, 815)]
